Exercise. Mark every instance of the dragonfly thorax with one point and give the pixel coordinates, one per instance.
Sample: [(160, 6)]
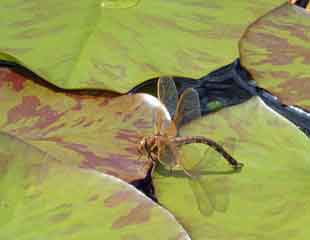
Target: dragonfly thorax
[(148, 146)]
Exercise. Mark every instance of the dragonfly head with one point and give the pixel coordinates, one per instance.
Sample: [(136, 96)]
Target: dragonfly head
[(143, 146)]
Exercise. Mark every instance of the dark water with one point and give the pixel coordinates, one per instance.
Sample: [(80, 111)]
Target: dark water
[(231, 85)]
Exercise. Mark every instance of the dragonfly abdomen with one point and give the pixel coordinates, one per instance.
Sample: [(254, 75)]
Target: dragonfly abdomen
[(179, 141)]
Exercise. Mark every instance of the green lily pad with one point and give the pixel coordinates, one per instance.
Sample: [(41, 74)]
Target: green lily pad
[(275, 49), (41, 198), (87, 44), (268, 199), (92, 129)]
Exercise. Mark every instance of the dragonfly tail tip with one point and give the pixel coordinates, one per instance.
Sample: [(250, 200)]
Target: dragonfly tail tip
[(239, 166)]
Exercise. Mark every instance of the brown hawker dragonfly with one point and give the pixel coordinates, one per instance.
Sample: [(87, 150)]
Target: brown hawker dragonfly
[(166, 142)]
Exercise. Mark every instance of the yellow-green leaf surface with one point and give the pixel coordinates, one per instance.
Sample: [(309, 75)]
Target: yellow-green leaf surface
[(269, 199), (93, 132), (41, 198), (276, 51), (116, 45)]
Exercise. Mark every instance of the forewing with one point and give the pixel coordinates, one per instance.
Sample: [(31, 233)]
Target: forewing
[(162, 124), (167, 152), (188, 108), (160, 121), (167, 93)]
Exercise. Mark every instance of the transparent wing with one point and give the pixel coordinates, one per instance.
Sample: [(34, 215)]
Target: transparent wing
[(163, 125), (188, 108), (202, 199), (209, 179), (212, 162), (167, 152), (167, 93)]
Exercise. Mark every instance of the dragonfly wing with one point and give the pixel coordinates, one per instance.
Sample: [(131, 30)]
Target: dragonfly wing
[(205, 206), (167, 152), (216, 181), (188, 107), (167, 93), (161, 122), (216, 188), (209, 181), (211, 162)]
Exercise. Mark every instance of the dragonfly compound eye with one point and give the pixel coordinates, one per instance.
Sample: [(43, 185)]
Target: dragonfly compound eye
[(142, 146)]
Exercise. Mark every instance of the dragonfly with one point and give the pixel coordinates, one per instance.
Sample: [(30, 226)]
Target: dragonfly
[(163, 146), (301, 3)]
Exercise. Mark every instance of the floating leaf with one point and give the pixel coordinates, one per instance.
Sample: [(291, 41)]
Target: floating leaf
[(86, 44), (275, 49), (268, 199), (42, 198), (119, 3), (92, 132)]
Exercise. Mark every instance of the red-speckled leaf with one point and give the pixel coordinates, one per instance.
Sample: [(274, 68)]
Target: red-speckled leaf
[(276, 51), (43, 198), (115, 45), (93, 132)]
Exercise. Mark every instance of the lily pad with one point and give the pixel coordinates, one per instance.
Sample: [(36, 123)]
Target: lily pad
[(275, 49), (87, 44), (268, 199), (41, 198), (92, 130)]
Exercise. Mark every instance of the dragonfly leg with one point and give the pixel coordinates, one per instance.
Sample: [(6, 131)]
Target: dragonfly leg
[(153, 163), (140, 156), (153, 148)]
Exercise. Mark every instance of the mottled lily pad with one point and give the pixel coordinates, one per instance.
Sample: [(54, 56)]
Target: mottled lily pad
[(268, 199), (275, 49), (41, 198), (92, 131), (87, 44)]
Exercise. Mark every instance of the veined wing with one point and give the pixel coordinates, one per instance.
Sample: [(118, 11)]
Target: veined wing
[(162, 124), (167, 93), (167, 152), (209, 180), (210, 162), (188, 108)]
